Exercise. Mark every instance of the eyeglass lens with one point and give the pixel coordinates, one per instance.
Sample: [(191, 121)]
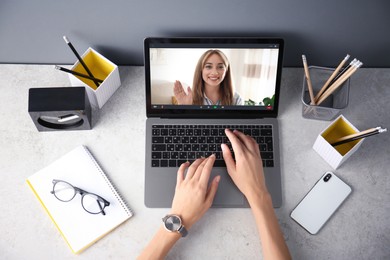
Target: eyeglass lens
[(92, 203), (64, 191)]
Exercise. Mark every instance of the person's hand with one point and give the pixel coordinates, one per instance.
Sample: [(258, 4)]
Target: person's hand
[(182, 97), (247, 172), (193, 197)]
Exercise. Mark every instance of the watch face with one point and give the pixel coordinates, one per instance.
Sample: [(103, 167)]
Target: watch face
[(172, 223)]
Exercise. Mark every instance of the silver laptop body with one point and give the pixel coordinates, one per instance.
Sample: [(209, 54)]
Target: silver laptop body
[(164, 58)]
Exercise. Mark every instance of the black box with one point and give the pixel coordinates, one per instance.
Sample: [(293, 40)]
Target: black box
[(64, 108)]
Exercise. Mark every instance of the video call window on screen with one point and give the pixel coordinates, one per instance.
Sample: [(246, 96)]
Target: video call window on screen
[(182, 77)]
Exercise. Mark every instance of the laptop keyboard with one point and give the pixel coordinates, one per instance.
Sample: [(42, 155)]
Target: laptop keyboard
[(173, 145)]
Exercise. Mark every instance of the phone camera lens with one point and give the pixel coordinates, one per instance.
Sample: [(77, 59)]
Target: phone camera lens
[(327, 177)]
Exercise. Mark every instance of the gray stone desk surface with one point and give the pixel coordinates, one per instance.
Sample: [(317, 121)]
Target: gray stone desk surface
[(359, 230)]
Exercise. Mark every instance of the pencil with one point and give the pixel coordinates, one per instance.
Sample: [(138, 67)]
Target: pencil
[(80, 59), (359, 135), (327, 83), (343, 71), (340, 81), (78, 74), (307, 75)]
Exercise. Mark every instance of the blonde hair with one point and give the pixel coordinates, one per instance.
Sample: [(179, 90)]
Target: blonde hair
[(226, 87)]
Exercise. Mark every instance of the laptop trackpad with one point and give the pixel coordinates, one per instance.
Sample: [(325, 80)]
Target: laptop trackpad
[(228, 194)]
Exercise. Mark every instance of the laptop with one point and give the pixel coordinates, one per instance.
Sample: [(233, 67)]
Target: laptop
[(197, 87)]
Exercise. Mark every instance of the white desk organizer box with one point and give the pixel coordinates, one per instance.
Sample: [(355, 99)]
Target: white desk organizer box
[(335, 156), (101, 68)]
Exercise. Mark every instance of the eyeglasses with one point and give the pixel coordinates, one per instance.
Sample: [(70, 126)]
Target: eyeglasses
[(92, 203)]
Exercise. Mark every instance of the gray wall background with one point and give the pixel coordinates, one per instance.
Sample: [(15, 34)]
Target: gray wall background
[(31, 30)]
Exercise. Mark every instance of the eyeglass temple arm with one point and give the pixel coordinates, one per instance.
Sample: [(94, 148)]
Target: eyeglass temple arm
[(100, 206)]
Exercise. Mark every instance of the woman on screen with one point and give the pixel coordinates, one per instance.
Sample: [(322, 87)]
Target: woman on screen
[(212, 83)]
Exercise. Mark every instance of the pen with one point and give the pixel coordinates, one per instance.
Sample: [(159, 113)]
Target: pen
[(78, 74), (80, 59), (359, 135), (357, 64), (327, 83), (307, 75)]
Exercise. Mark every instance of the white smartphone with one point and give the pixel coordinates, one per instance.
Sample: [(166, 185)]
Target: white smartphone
[(321, 202)]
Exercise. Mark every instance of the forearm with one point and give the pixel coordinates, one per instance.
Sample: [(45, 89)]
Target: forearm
[(272, 240), (160, 245)]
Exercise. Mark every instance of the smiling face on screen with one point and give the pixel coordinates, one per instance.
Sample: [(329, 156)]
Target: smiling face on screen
[(214, 71)]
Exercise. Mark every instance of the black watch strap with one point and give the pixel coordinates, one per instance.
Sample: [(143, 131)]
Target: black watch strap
[(183, 231)]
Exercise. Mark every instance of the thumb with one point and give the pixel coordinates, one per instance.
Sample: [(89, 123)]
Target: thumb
[(189, 90), (213, 189), (227, 156)]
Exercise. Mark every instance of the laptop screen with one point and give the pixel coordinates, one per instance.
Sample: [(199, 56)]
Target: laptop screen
[(213, 77)]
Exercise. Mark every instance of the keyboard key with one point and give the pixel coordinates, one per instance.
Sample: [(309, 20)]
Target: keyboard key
[(255, 132), (219, 163), (185, 140), (269, 163), (172, 163), (183, 155), (166, 155), (214, 132), (210, 140), (180, 162), (155, 163), (187, 148), (206, 132), (266, 132), (170, 147), (156, 155), (178, 147), (247, 131), (158, 140), (207, 154), (212, 147), (268, 139), (267, 155), (164, 163), (181, 132), (195, 147), (164, 132), (199, 154), (189, 132), (193, 140), (158, 147), (191, 155)]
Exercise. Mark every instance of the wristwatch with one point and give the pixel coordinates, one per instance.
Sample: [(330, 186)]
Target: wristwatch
[(173, 223)]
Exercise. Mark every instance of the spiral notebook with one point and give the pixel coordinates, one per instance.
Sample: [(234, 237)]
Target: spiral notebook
[(79, 228)]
